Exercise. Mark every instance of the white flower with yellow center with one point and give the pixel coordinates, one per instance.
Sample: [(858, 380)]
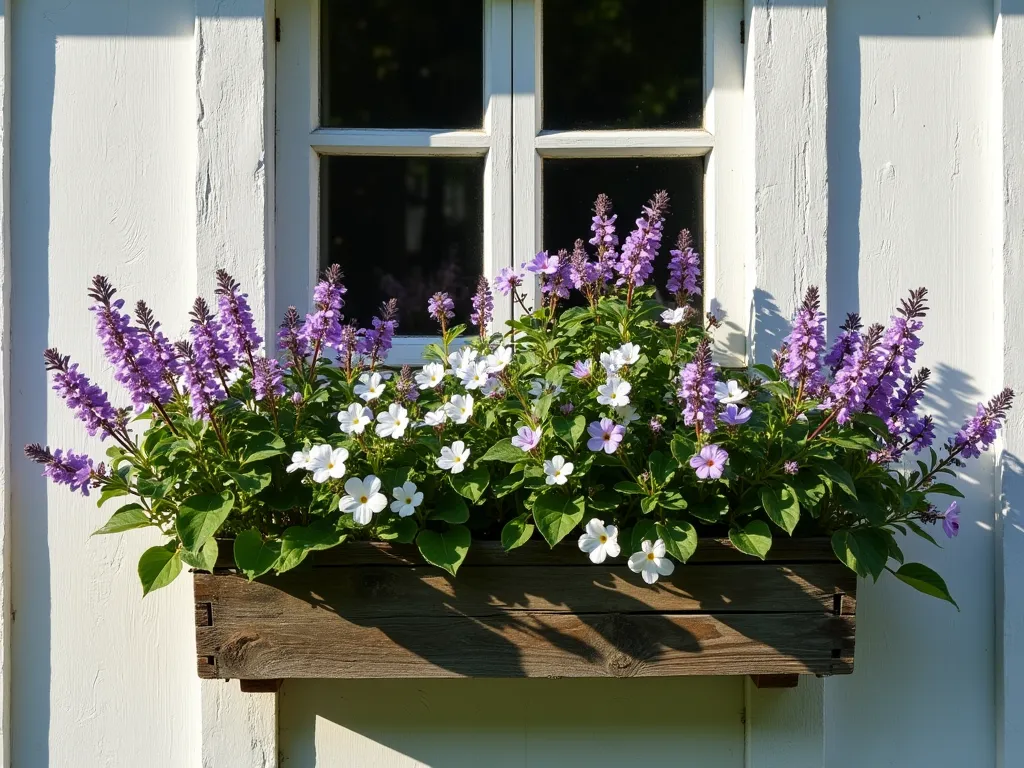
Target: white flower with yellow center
[(629, 353), (498, 359), (363, 498), (355, 419), (431, 376), (651, 561), (370, 387), (557, 470), (614, 392), (459, 408), (475, 375), (600, 541), (407, 498), (326, 463), (393, 422), (300, 460), (454, 457)]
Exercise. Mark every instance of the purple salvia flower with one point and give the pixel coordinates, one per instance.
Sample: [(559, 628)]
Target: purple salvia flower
[(405, 388), (204, 389), (141, 376), (347, 347), (441, 307), (154, 346), (856, 376), (322, 328), (289, 336), (237, 328), (849, 335), (791, 467), (483, 306), (90, 403), (903, 406), (375, 342), (697, 389), (605, 239), (582, 369), (267, 379), (211, 351), (559, 281), (980, 431), (801, 363), (508, 280), (684, 269), (921, 435), (63, 467), (583, 273), (636, 263), (897, 352)]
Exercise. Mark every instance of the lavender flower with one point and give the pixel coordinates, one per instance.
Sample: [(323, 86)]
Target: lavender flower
[(903, 406), (898, 351), (267, 379), (684, 269), (204, 389), (605, 239), (566, 408), (920, 436), (441, 307), (636, 263), (508, 280), (323, 327), (855, 376), (801, 363), (376, 342), (290, 338), (605, 435), (951, 520), (526, 439), (405, 387), (154, 346), (211, 351), (237, 327), (556, 277), (709, 464), (582, 369), (844, 344), (347, 347), (90, 403), (697, 389), (142, 377), (483, 307), (734, 415), (543, 264), (791, 467), (980, 431), (64, 468)]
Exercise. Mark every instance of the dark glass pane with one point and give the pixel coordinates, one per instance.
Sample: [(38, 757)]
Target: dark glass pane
[(570, 187), (623, 64), (403, 227), (401, 63)]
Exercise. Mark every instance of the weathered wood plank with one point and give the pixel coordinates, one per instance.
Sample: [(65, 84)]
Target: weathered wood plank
[(357, 593), (533, 645)]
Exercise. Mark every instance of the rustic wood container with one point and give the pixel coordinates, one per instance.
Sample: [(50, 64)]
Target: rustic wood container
[(368, 610)]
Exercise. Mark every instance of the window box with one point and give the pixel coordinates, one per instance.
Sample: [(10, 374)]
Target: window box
[(370, 610)]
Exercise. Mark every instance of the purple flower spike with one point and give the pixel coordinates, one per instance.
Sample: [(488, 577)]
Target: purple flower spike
[(527, 439), (605, 435), (441, 307), (508, 280), (63, 467), (323, 327), (697, 389), (641, 247), (951, 520), (684, 269), (605, 239), (734, 415), (204, 389), (895, 356), (709, 464), (154, 346), (845, 343), (376, 342), (289, 336), (267, 379), (802, 359), (921, 435), (582, 369), (483, 306), (237, 328), (980, 431), (856, 374), (211, 351), (90, 403), (406, 390)]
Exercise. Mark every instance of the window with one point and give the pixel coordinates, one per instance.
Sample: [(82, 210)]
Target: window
[(422, 144)]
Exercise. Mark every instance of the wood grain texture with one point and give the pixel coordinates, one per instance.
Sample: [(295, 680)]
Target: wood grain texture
[(380, 616)]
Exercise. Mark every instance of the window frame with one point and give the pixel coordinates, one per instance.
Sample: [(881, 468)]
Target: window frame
[(514, 146)]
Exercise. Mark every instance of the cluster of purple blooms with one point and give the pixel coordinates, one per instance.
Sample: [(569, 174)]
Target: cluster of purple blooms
[(483, 307), (697, 389), (684, 269), (64, 467)]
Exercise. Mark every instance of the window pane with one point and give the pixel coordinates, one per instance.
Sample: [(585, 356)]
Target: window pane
[(401, 63), (623, 64), (570, 187), (403, 227)]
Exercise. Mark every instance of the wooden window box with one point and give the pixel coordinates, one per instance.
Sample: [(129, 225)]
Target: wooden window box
[(368, 610)]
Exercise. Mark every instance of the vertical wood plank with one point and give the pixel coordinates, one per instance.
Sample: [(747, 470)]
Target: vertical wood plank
[(786, 109), (5, 359), (1008, 203), (233, 230)]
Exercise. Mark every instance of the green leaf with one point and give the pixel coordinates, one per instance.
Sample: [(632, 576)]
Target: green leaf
[(298, 541), (649, 503), (673, 500), (400, 529), (924, 579), (151, 488), (393, 477), (662, 468), (921, 532), (109, 493), (556, 373), (568, 430), (864, 550), (754, 539), (508, 484), (451, 509), (680, 539), (838, 475), (205, 559), (503, 450), (809, 490), (682, 449), (254, 556), (630, 488), (642, 531), (128, 517), (446, 550), (767, 371), (158, 567), (873, 422), (516, 532), (471, 483), (853, 441), (604, 501), (556, 515), (251, 482), (262, 445), (711, 510), (946, 489), (782, 507), (201, 517)]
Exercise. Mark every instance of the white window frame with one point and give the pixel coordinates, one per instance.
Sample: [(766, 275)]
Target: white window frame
[(514, 145)]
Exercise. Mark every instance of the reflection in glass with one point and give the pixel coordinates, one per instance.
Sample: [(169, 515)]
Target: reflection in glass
[(401, 63), (623, 64), (403, 227), (570, 187)]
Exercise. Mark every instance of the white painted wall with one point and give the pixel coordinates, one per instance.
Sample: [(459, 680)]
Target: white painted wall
[(910, 180)]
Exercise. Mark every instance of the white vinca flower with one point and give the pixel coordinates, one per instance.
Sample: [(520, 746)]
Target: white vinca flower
[(459, 408), (626, 414), (651, 561), (475, 375), (363, 498), (611, 362), (629, 353), (393, 422), (370, 386), (435, 418), (431, 376), (730, 392), (614, 392), (454, 457), (355, 419), (557, 470), (461, 359), (407, 498), (673, 316), (326, 463), (300, 460), (498, 359), (600, 541)]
